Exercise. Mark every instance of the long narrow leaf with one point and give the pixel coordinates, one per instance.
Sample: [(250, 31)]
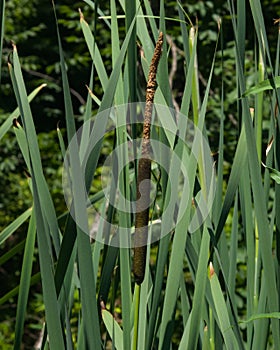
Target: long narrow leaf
[(222, 313), (41, 194), (25, 281), (9, 230)]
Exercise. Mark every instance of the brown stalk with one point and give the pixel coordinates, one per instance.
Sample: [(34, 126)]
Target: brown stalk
[(144, 173)]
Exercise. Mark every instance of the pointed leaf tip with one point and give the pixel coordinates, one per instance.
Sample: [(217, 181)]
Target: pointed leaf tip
[(211, 269), (13, 45), (81, 14)]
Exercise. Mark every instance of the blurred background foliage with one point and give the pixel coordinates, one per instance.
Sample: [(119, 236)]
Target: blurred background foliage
[(30, 24)]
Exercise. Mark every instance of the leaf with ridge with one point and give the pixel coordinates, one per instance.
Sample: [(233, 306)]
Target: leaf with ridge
[(268, 84)]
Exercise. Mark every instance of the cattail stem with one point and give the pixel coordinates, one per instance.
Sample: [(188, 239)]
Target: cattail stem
[(144, 173)]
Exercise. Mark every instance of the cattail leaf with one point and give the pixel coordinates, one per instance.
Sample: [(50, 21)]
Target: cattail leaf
[(10, 229), (268, 84), (113, 329), (261, 316), (274, 174), (222, 313), (25, 280), (16, 113)]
